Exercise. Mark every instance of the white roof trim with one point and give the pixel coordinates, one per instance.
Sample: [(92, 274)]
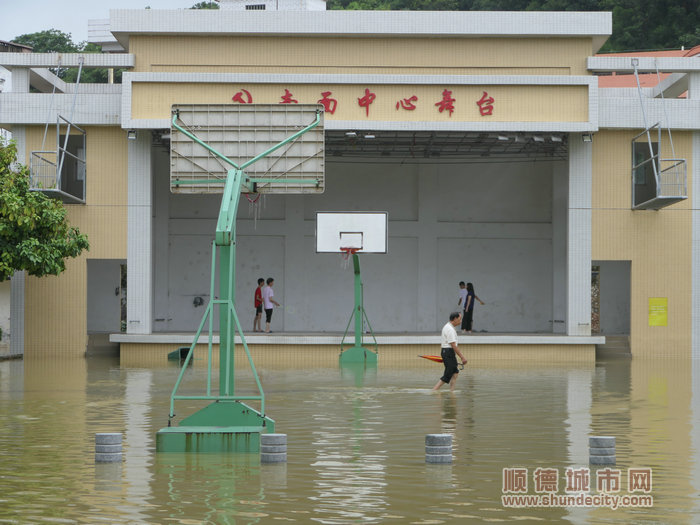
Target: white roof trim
[(10, 60), (597, 25), (603, 64)]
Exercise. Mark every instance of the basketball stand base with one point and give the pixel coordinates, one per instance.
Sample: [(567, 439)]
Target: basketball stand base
[(358, 354)]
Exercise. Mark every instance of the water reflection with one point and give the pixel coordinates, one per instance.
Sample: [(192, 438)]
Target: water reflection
[(356, 442)]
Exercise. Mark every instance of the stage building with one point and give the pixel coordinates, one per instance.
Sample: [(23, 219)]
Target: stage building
[(488, 138)]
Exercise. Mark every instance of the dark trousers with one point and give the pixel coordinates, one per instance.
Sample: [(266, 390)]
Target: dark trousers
[(467, 320), (449, 359)]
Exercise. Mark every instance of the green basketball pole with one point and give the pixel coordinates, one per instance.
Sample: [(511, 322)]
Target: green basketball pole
[(358, 353), (226, 424)]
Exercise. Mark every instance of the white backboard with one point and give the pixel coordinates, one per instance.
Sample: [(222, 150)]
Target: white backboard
[(364, 231), (241, 132)]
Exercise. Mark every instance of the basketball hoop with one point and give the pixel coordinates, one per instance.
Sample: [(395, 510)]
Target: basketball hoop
[(254, 205), (345, 253)]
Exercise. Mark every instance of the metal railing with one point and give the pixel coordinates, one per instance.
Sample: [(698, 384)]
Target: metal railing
[(670, 174), (673, 179), (43, 169), (61, 171)]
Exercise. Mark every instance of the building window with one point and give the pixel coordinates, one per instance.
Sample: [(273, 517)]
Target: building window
[(645, 166), (255, 7)]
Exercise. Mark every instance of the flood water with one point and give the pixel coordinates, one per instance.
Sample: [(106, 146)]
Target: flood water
[(355, 443)]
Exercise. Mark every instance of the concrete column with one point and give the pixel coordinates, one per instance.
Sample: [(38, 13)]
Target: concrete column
[(19, 134), (139, 307), (578, 318), (694, 176), (293, 263), (17, 314), (161, 238), (560, 198), (426, 290), (694, 180), (20, 80)]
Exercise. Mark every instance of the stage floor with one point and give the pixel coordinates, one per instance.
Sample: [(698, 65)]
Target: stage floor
[(384, 338)]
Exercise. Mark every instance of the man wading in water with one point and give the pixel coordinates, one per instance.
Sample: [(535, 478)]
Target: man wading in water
[(448, 351)]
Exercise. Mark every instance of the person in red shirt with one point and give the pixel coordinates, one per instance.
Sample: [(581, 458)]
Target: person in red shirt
[(257, 326)]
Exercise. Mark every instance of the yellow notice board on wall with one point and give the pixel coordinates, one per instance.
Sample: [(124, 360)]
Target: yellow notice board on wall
[(658, 311)]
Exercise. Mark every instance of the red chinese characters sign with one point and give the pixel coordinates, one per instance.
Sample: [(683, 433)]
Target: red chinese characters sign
[(366, 100), (485, 104), (329, 104), (447, 103)]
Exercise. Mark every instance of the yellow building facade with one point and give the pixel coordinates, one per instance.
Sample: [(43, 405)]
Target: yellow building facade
[(487, 138)]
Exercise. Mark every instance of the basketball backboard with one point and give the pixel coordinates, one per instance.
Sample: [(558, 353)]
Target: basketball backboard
[(241, 132), (365, 232)]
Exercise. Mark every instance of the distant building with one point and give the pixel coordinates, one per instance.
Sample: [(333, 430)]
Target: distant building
[(11, 47), (273, 5)]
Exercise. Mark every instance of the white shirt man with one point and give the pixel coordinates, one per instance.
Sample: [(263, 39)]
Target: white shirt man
[(448, 351)]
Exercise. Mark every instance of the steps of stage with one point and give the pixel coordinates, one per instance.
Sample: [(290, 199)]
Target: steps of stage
[(615, 346)]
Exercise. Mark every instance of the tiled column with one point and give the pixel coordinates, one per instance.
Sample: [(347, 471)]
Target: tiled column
[(578, 317), (694, 179), (18, 279), (139, 309)]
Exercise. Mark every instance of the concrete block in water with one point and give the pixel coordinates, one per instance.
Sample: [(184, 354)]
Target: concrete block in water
[(267, 457), (438, 440), (438, 458), (273, 439), (602, 460), (108, 438), (602, 451), (101, 457), (601, 442), (272, 449), (108, 449), (439, 450)]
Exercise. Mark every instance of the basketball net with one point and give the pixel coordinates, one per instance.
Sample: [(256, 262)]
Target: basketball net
[(256, 201), (345, 254)]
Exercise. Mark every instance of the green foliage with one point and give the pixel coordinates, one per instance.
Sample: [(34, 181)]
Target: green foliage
[(34, 233), (637, 24), (51, 40), (205, 5), (54, 41)]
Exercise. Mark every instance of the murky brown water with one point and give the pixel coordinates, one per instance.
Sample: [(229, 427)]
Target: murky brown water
[(356, 444)]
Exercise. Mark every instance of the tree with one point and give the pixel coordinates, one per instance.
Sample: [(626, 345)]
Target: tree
[(637, 24), (34, 233), (55, 41), (51, 40), (205, 5)]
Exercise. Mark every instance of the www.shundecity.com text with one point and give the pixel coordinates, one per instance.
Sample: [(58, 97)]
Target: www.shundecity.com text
[(611, 501)]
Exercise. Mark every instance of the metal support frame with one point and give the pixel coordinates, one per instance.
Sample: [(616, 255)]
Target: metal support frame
[(226, 425), (46, 167), (357, 353), (671, 180)]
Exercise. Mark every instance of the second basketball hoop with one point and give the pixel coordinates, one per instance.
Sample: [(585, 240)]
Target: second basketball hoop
[(352, 233)]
